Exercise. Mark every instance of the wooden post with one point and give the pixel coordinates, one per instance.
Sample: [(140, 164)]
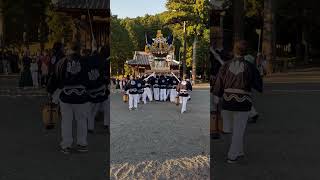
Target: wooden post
[(1, 24), (184, 66), (238, 19), (76, 36)]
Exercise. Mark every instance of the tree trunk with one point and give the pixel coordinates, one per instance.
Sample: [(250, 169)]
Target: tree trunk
[(184, 66), (238, 19), (268, 44), (194, 59), (305, 39)]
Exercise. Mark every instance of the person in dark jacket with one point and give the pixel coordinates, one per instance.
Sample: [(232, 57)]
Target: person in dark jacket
[(147, 88), (141, 86), (163, 88), (52, 84), (173, 91), (183, 89), (72, 75), (169, 85), (132, 88), (105, 57), (97, 88), (26, 78), (234, 84), (156, 90)]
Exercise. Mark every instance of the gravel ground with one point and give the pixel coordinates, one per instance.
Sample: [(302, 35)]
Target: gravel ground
[(158, 133)]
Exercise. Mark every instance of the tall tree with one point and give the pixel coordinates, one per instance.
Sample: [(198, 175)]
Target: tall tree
[(122, 46), (195, 14), (268, 45)]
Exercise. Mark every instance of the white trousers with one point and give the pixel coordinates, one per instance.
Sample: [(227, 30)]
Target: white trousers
[(133, 100), (173, 95), (147, 93), (252, 112), (35, 79), (235, 122), (163, 94), (168, 93), (94, 109), (69, 112), (139, 97), (184, 104), (156, 93)]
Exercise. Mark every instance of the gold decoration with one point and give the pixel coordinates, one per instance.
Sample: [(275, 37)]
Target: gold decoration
[(159, 47)]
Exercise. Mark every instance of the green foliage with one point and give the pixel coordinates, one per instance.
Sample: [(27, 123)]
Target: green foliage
[(132, 31), (122, 46), (60, 26)]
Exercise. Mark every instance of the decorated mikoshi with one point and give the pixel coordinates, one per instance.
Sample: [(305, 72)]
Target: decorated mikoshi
[(159, 77), (158, 56), (162, 53)]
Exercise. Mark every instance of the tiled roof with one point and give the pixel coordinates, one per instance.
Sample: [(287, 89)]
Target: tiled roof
[(82, 4), (140, 58)]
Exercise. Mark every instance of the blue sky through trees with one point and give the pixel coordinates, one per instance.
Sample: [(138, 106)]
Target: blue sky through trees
[(134, 8)]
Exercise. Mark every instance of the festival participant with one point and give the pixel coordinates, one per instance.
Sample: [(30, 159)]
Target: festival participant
[(183, 89), (163, 88), (73, 81), (233, 84), (52, 85), (97, 88), (140, 87), (105, 57), (156, 90), (174, 81), (132, 89), (34, 73), (45, 59), (147, 90), (253, 114), (26, 77), (189, 84), (169, 85)]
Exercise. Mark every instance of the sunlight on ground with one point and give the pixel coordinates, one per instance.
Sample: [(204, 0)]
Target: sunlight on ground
[(183, 168)]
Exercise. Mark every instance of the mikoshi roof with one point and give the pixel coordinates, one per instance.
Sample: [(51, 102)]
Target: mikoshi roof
[(82, 4), (142, 58)]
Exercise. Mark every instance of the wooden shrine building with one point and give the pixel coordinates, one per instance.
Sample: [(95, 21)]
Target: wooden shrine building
[(85, 13)]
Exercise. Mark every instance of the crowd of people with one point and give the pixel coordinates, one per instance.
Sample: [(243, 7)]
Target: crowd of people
[(155, 87), (33, 69), (234, 78), (9, 62), (79, 84)]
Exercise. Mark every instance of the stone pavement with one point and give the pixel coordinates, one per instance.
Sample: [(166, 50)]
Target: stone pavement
[(284, 143), (158, 132)]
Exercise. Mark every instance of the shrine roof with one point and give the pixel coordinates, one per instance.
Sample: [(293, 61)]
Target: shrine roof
[(81, 5)]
